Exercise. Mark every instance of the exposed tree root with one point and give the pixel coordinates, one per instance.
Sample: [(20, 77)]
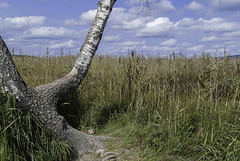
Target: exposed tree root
[(87, 144)]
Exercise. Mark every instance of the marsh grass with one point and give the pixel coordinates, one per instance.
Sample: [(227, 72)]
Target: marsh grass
[(177, 107)]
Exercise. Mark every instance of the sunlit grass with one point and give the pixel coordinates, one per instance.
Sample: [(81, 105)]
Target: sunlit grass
[(184, 108)]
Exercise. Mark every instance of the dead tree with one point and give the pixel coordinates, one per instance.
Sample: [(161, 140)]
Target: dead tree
[(43, 100)]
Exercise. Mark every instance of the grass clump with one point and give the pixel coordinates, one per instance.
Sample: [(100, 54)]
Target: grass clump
[(24, 138)]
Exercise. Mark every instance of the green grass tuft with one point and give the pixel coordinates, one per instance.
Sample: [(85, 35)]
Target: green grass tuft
[(24, 138)]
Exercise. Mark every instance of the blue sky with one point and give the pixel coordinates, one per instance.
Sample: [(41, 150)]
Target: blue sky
[(172, 26)]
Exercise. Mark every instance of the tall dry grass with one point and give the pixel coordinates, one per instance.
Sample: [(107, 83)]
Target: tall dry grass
[(178, 106)]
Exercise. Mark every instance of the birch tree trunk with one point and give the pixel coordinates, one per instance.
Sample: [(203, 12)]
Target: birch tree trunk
[(43, 100)]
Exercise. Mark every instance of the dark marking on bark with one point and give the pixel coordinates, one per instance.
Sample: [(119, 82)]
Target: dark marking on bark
[(65, 125)]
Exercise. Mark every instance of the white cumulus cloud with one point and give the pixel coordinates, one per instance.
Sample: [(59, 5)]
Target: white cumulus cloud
[(165, 5), (195, 6), (4, 5), (197, 48), (48, 33), (85, 18), (169, 42), (185, 22), (214, 25), (111, 38), (88, 16), (160, 27), (218, 25), (130, 25), (210, 38), (67, 44), (122, 19), (130, 43), (72, 22), (232, 34), (21, 22)]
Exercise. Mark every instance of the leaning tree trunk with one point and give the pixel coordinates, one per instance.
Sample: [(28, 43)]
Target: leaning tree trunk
[(43, 100)]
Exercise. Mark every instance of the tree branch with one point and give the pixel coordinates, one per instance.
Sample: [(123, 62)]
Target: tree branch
[(10, 79), (70, 82)]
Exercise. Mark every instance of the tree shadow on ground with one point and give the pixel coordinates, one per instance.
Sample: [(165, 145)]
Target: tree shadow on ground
[(83, 112)]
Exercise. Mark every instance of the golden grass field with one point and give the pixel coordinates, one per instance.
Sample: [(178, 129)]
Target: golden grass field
[(173, 108)]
